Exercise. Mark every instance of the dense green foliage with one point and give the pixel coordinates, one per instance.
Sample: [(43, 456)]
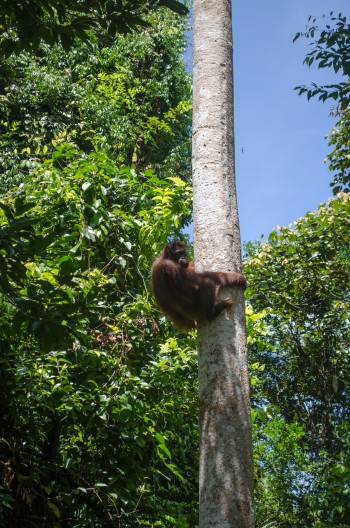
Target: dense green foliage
[(299, 287), (339, 157), (96, 388), (90, 419), (331, 49), (25, 25), (129, 98)]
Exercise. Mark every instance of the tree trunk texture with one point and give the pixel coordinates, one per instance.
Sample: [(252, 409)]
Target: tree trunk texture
[(226, 461)]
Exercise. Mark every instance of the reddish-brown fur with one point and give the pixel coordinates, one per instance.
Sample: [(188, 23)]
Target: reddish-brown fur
[(185, 296)]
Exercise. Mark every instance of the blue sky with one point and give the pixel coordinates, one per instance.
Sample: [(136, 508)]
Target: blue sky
[(280, 173)]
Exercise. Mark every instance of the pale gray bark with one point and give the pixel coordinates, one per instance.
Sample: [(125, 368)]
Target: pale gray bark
[(226, 462)]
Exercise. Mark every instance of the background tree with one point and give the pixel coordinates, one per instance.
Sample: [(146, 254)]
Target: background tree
[(117, 97), (25, 25), (88, 366), (298, 325), (299, 284), (331, 49), (226, 476)]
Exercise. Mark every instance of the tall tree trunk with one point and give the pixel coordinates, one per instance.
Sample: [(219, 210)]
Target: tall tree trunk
[(226, 462)]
